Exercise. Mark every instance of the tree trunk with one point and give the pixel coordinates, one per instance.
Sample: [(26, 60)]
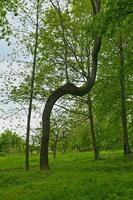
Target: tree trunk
[(124, 116), (27, 151), (123, 102), (93, 134), (68, 88), (124, 119), (55, 146), (65, 148)]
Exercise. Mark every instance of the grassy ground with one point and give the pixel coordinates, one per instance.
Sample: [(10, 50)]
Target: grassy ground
[(74, 176)]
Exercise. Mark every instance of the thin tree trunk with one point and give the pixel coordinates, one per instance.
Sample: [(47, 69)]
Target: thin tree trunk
[(31, 92), (55, 145), (124, 116), (93, 134), (65, 148), (123, 102), (67, 88)]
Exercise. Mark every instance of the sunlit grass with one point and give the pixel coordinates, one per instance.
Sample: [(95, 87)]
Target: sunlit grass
[(74, 176)]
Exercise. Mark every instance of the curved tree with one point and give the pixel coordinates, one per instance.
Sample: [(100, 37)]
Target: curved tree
[(68, 88)]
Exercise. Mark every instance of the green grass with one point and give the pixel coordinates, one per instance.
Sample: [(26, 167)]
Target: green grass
[(74, 176)]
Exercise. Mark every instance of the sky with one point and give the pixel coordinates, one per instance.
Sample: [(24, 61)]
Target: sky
[(12, 115), (4, 49)]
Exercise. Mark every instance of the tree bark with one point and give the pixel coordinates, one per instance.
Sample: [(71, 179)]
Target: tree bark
[(68, 88), (55, 145), (123, 102), (124, 117), (93, 134)]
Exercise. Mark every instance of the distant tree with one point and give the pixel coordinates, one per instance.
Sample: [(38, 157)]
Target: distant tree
[(60, 133), (114, 83), (11, 142), (122, 60), (80, 139), (35, 143)]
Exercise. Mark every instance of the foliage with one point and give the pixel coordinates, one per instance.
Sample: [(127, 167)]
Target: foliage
[(80, 139), (6, 6), (11, 142)]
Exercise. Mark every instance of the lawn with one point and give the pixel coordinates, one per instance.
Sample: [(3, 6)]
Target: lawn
[(74, 176)]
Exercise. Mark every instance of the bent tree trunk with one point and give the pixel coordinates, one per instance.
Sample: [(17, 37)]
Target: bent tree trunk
[(93, 134), (68, 88)]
